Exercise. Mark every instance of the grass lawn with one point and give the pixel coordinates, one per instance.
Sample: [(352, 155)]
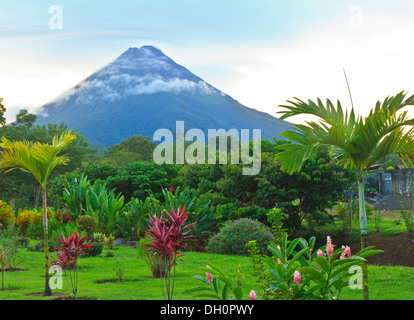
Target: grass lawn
[(97, 278)]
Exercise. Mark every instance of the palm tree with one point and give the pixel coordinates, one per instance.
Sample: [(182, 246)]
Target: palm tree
[(39, 159), (354, 142)]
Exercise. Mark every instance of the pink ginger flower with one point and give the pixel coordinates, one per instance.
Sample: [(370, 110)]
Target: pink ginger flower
[(209, 277), (329, 247), (346, 252), (253, 295), (297, 277), (320, 253)]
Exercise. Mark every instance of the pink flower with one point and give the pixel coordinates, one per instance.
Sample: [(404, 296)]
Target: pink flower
[(346, 252), (253, 295), (320, 253), (209, 277), (297, 277), (329, 247)]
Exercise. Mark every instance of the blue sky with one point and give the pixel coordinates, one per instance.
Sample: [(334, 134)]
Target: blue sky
[(261, 52)]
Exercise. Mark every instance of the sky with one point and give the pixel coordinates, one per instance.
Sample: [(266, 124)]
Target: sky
[(262, 52)]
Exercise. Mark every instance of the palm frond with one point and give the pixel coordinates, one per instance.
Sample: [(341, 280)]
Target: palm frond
[(39, 159), (355, 142)]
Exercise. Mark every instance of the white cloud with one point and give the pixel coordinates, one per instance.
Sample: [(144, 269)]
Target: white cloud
[(377, 57)]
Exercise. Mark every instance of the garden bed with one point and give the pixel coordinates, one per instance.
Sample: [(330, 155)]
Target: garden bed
[(398, 249)]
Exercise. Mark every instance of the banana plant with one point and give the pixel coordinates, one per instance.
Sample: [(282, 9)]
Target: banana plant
[(75, 196), (134, 218), (106, 207)]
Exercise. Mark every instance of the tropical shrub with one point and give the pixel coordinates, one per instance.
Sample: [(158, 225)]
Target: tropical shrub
[(56, 229), (309, 273), (94, 251), (70, 250), (58, 185), (106, 207), (233, 236), (12, 242), (199, 210), (7, 217), (75, 196), (23, 221), (88, 224), (4, 262), (152, 260), (168, 237), (134, 218)]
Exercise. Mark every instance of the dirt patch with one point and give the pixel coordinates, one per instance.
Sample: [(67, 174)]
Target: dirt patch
[(40, 294), (398, 249), (15, 270), (72, 298), (392, 203), (106, 281), (58, 296)]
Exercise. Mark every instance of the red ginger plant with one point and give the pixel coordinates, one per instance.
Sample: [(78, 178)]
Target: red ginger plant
[(70, 250), (168, 236)]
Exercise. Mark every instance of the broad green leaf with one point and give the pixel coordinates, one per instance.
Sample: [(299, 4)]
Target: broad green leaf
[(196, 289), (273, 249), (201, 279), (216, 285), (316, 275), (323, 263), (296, 257), (225, 292), (292, 246)]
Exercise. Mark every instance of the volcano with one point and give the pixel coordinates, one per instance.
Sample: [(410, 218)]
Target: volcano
[(143, 90)]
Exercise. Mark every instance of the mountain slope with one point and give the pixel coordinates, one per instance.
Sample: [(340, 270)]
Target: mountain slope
[(142, 91)]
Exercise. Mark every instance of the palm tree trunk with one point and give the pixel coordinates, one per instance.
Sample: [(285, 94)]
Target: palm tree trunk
[(48, 291), (37, 195), (363, 225), (351, 200)]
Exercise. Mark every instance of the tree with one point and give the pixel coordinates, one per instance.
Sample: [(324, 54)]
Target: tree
[(306, 194), (2, 114), (22, 186), (133, 149), (354, 142), (23, 117), (38, 159)]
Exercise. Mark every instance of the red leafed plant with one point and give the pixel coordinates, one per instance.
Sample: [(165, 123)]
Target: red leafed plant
[(168, 235), (69, 251)]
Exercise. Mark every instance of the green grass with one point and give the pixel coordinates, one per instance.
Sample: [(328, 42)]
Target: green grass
[(394, 283)]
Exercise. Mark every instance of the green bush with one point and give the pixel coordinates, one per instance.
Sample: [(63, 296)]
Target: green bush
[(233, 236), (95, 251), (88, 224), (7, 217)]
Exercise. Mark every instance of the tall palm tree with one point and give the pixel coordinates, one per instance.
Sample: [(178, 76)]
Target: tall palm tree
[(39, 159), (355, 142)]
